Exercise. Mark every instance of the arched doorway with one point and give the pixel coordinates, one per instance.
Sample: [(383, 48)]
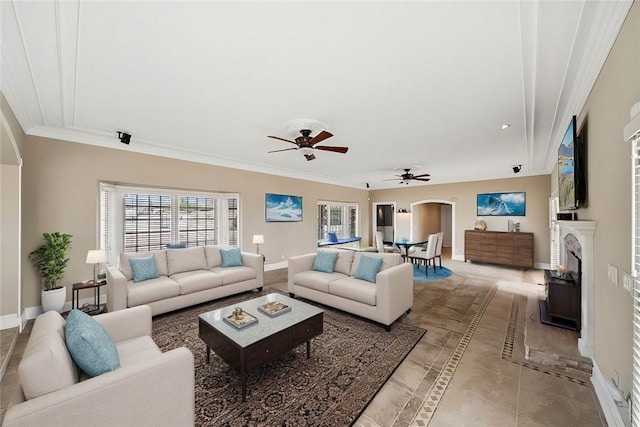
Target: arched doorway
[(434, 215)]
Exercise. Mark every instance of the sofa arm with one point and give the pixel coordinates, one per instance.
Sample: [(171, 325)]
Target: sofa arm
[(394, 291), (116, 289), (126, 324), (156, 392), (255, 261), (297, 264)]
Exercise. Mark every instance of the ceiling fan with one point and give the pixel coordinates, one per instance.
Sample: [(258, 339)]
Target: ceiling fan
[(306, 144), (408, 176)]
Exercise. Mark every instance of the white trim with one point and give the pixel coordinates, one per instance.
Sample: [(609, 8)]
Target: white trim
[(9, 321), (276, 266), (612, 412), (33, 312)]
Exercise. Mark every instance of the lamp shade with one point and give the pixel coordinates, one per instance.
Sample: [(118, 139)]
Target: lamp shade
[(96, 256), (258, 239)]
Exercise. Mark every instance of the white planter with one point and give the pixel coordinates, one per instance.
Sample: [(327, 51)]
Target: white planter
[(54, 299)]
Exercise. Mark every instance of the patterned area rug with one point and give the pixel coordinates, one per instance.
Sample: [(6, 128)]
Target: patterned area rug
[(349, 363)]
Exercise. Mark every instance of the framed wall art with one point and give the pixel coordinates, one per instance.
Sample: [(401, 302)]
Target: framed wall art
[(502, 204), (283, 208)]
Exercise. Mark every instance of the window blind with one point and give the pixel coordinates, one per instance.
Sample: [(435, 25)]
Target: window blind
[(635, 269)]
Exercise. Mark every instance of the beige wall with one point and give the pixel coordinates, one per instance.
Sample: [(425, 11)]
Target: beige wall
[(426, 220), (60, 193), (11, 137), (609, 196), (463, 195)]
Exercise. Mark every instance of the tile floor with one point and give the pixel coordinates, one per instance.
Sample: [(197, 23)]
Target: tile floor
[(469, 368)]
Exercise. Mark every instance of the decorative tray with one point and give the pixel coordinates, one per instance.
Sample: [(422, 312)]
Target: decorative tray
[(241, 323), (274, 308)]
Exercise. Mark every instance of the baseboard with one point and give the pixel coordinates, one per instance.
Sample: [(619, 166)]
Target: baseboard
[(276, 266), (612, 412), (9, 321), (33, 312)]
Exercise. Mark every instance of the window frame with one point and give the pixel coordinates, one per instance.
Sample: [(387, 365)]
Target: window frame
[(112, 216), (349, 219)]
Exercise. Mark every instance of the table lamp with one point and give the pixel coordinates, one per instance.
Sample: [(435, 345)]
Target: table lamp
[(258, 239), (96, 257)]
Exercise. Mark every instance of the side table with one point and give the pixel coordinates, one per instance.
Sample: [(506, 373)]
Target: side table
[(91, 309)]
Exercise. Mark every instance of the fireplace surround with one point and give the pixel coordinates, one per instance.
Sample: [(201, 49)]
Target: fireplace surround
[(582, 239)]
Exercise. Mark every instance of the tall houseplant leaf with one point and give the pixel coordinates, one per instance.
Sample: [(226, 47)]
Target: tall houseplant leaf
[(50, 259)]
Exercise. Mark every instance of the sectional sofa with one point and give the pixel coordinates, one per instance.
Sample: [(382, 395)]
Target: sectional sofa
[(184, 277)]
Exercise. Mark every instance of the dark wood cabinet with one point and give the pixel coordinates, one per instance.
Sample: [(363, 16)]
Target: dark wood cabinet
[(562, 301), (498, 247)]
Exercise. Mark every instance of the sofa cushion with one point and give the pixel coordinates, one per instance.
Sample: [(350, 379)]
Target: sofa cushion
[(135, 350), (46, 365), (212, 253), (235, 274), (198, 280), (160, 258), (151, 290), (143, 268), (344, 261), (325, 261), (388, 260), (231, 257), (316, 280), (90, 345), (368, 268), (354, 289), (189, 259)]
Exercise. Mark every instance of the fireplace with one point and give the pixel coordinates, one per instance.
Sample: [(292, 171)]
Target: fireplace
[(562, 305), (577, 252)]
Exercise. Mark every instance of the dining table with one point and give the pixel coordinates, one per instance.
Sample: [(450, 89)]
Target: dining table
[(406, 244)]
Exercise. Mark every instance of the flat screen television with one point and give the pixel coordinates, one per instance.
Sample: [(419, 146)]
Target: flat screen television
[(571, 183)]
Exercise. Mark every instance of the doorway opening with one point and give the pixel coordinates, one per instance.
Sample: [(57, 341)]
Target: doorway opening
[(384, 221), (432, 216)]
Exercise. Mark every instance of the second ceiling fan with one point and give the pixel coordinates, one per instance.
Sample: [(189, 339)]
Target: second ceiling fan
[(408, 176), (306, 144)]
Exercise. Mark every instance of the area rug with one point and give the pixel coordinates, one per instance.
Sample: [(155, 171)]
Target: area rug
[(419, 274), (350, 361)]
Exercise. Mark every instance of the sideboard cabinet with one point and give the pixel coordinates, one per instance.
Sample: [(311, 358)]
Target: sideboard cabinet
[(499, 247)]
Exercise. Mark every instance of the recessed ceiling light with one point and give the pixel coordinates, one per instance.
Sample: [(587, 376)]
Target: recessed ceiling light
[(505, 126)]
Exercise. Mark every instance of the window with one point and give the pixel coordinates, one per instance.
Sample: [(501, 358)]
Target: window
[(339, 218), (134, 219)]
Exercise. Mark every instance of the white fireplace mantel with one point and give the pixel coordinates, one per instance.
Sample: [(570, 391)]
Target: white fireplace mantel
[(584, 231)]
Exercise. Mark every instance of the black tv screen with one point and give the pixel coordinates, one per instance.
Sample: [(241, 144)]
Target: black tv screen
[(568, 165)]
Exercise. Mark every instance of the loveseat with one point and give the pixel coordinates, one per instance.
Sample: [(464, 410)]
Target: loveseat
[(383, 298), (150, 388), (184, 277)]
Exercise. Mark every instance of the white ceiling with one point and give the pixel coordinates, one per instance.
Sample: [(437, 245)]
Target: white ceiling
[(421, 84)]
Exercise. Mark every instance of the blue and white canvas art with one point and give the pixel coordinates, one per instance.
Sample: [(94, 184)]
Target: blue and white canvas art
[(283, 208), (501, 204)]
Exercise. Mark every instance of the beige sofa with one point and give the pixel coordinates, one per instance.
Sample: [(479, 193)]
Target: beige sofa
[(186, 277), (382, 302), (150, 388)]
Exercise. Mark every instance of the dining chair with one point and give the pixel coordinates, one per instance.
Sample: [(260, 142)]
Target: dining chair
[(438, 253)]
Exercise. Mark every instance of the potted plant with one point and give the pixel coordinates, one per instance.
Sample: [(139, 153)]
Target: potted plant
[(50, 260)]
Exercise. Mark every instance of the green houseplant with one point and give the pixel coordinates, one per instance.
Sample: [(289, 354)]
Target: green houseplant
[(50, 260)]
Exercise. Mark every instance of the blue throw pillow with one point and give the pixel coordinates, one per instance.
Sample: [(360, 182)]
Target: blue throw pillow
[(367, 269), (231, 257), (90, 346), (325, 261), (143, 268), (333, 238)]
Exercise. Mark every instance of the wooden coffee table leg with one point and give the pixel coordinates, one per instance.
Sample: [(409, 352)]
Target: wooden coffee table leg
[(208, 350), (244, 387), (308, 349)]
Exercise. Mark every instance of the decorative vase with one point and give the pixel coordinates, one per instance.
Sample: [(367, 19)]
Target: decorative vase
[(54, 299)]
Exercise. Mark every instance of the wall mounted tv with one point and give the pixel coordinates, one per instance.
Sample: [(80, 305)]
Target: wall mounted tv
[(571, 161)]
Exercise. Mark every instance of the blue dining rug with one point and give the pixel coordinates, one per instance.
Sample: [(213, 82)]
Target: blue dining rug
[(419, 275)]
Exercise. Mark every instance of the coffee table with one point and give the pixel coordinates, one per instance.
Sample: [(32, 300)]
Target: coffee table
[(247, 348)]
